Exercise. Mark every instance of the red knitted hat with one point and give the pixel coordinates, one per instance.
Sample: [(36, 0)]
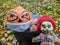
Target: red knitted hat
[(46, 18)]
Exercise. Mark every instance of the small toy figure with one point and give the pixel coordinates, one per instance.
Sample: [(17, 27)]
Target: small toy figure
[(46, 26), (33, 25)]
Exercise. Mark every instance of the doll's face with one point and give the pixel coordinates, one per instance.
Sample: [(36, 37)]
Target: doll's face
[(46, 26), (33, 25)]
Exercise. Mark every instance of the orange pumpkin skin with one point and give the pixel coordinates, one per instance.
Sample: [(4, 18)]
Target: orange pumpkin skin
[(18, 15)]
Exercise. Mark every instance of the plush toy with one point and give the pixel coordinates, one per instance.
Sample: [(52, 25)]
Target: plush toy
[(46, 26)]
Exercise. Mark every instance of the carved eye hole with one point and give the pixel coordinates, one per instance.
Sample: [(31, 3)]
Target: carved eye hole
[(25, 15), (43, 26), (12, 15)]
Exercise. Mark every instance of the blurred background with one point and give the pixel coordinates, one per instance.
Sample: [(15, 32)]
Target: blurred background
[(49, 7)]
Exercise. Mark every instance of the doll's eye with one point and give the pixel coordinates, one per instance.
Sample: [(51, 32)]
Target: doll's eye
[(35, 24), (43, 26), (12, 15), (49, 26)]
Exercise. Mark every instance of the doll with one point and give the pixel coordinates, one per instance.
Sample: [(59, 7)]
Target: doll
[(33, 29), (46, 26), (33, 26)]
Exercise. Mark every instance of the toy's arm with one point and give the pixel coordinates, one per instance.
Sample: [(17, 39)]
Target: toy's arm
[(56, 39), (51, 37), (38, 38)]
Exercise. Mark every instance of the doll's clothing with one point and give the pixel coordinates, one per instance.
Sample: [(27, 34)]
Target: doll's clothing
[(47, 43), (45, 37), (44, 43)]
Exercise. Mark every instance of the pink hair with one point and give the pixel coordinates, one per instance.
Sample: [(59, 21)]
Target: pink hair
[(46, 18)]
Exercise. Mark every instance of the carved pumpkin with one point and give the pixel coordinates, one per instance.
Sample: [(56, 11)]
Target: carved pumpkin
[(18, 15)]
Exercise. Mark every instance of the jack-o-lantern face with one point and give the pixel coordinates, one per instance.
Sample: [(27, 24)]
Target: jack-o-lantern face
[(18, 15)]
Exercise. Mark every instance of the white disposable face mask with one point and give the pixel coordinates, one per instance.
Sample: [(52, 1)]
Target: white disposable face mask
[(19, 27), (46, 26)]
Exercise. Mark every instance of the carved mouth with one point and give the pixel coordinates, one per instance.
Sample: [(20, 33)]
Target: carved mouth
[(19, 20)]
